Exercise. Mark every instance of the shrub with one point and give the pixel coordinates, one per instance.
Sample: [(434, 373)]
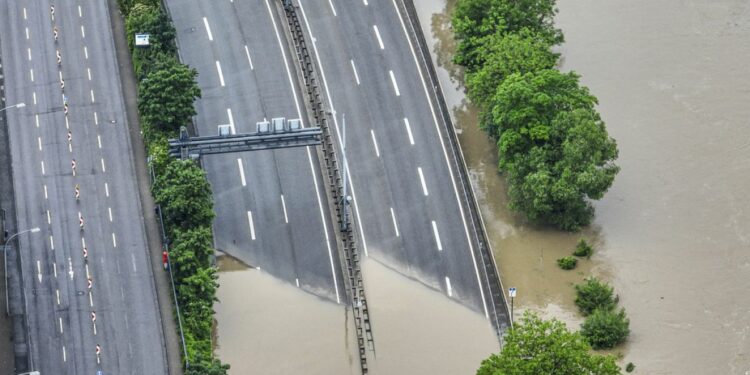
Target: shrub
[(166, 95), (583, 249), (593, 294), (184, 195), (629, 367), (567, 262), (536, 346), (605, 328)]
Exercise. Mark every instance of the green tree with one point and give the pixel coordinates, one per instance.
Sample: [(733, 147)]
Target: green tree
[(191, 251), (606, 328), (505, 54), (126, 5), (184, 195), (202, 365), (166, 95), (539, 347), (476, 20), (553, 147), (593, 294), (149, 19)]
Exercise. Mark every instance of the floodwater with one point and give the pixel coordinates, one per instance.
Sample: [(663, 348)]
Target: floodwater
[(673, 233), (265, 326)]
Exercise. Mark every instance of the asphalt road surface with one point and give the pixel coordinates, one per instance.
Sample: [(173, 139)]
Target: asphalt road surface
[(406, 197), (113, 282), (271, 209)]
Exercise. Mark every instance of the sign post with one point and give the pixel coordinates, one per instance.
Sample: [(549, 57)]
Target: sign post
[(512, 294)]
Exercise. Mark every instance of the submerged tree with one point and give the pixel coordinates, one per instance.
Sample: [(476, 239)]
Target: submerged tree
[(546, 347)]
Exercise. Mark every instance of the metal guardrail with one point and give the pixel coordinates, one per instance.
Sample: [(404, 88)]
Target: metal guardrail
[(499, 312), (351, 263)]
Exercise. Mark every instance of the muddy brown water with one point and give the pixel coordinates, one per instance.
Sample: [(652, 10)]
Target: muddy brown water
[(265, 326), (673, 233)]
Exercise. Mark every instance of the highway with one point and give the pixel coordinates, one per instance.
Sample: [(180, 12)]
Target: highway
[(407, 201), (89, 290), (271, 208)]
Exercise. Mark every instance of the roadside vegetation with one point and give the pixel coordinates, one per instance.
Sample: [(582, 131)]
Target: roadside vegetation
[(166, 92), (553, 146), (537, 347)]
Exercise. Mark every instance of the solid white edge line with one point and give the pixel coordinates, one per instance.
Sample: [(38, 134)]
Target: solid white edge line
[(421, 179), (221, 76), (208, 29), (242, 172), (338, 132), (445, 153), (247, 52), (283, 207), (395, 85), (395, 224), (437, 236), (250, 223), (377, 34), (408, 131), (309, 155), (375, 143), (354, 68)]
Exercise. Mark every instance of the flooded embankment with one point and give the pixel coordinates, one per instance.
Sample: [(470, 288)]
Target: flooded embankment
[(673, 233)]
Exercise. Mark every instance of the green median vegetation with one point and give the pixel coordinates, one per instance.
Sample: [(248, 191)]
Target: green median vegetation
[(552, 145), (166, 92)]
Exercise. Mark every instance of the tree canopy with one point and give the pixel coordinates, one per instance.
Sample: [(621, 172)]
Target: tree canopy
[(184, 195), (474, 21), (552, 144), (166, 95), (505, 54), (546, 347)]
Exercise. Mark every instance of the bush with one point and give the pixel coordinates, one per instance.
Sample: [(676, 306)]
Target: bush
[(629, 367), (593, 295), (166, 95), (536, 346), (184, 195), (567, 262), (583, 249), (605, 328)]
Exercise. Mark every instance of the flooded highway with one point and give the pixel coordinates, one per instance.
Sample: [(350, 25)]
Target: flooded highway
[(673, 233), (266, 326)]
